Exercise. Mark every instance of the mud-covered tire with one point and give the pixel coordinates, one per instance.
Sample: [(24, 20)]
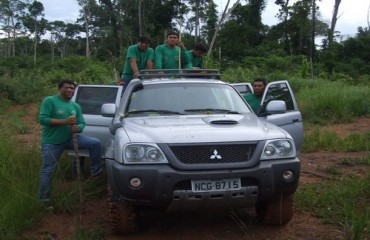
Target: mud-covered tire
[(276, 212), (123, 217)]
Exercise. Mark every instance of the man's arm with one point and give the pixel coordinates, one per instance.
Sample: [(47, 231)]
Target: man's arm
[(158, 56), (149, 62), (189, 64), (134, 67)]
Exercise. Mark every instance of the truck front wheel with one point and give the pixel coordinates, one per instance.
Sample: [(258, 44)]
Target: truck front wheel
[(278, 211), (123, 217)]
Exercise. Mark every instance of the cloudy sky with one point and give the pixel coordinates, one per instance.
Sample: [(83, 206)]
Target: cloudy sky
[(353, 13)]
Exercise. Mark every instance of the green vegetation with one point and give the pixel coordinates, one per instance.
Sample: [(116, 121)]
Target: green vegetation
[(19, 179), (340, 201), (19, 172), (330, 141)]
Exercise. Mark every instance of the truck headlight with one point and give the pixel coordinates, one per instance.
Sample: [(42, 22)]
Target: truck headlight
[(283, 148), (143, 153)]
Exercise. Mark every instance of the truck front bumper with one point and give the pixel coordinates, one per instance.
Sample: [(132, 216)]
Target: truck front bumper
[(163, 187)]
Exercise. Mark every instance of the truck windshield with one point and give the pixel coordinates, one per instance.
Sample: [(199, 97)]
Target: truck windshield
[(187, 98)]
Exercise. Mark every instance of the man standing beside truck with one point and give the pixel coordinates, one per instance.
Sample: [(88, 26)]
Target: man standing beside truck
[(254, 99), (60, 118)]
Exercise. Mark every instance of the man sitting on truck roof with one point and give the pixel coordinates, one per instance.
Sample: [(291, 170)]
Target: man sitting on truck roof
[(195, 56), (139, 56)]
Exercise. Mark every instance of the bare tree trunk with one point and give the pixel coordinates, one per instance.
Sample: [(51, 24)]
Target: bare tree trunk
[(313, 46), (225, 14), (196, 22), (86, 15), (140, 18), (52, 48), (35, 45), (87, 37), (12, 45), (333, 22)]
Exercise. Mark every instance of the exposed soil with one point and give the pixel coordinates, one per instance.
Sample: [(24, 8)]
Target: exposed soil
[(209, 225)]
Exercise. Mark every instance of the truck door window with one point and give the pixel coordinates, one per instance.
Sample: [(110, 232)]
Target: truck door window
[(92, 98)]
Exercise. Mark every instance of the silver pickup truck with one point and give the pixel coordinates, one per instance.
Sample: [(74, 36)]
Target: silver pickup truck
[(187, 141)]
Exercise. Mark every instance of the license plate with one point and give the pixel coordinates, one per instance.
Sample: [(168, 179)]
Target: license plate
[(215, 185)]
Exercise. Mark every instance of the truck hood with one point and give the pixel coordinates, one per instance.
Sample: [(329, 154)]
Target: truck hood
[(199, 128)]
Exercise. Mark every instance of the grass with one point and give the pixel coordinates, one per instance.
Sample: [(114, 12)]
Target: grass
[(344, 202), (19, 170), (333, 102), (19, 179), (316, 139), (90, 234)]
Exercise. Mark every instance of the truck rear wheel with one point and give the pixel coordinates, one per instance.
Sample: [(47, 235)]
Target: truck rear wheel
[(276, 212), (123, 217)]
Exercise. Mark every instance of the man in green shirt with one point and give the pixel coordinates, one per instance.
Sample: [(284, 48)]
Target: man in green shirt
[(60, 118), (195, 56), (254, 99), (172, 54), (139, 56)]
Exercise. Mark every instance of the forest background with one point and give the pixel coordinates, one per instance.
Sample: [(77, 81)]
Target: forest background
[(35, 51)]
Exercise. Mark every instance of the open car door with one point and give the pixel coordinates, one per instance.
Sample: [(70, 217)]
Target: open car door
[(91, 98), (291, 120)]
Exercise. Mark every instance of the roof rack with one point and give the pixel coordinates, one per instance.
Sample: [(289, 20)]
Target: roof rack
[(178, 73)]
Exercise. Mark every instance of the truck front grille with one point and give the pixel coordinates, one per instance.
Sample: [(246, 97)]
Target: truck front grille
[(203, 154)]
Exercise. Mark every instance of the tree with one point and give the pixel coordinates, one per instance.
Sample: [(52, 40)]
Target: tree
[(245, 23), (36, 26), (85, 11), (333, 22), (211, 21), (225, 14), (284, 15), (198, 7), (10, 14)]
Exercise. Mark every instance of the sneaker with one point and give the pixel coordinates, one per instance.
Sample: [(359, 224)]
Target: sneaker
[(47, 205), (49, 208)]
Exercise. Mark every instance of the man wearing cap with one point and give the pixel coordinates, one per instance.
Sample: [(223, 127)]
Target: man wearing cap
[(167, 55)]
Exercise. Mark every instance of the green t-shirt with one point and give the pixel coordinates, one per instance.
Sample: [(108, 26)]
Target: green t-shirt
[(168, 58), (193, 61), (253, 101), (141, 59), (54, 107)]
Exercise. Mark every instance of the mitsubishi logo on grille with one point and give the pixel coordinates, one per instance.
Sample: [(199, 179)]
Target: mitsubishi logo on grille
[(215, 155)]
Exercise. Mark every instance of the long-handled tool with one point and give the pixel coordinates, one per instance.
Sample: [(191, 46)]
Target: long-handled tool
[(75, 146), (179, 47), (115, 73)]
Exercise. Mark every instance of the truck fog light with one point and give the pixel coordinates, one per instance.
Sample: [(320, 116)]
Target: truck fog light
[(288, 175), (135, 182)]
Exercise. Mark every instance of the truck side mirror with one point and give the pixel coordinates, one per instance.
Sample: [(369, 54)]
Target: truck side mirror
[(108, 110), (275, 107)]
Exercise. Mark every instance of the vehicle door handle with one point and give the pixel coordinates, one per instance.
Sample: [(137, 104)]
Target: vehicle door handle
[(295, 120)]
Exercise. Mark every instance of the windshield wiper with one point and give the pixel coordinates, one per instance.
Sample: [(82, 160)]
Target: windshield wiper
[(160, 111), (212, 110)]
